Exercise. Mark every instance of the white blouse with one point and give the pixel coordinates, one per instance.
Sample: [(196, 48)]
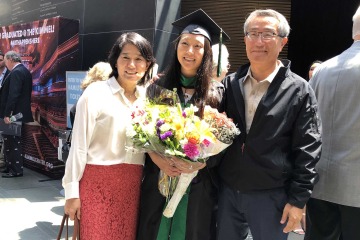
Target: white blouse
[(99, 134)]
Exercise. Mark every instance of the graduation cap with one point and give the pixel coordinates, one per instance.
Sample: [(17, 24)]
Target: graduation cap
[(198, 22)]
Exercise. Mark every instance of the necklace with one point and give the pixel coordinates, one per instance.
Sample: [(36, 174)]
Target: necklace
[(129, 96)]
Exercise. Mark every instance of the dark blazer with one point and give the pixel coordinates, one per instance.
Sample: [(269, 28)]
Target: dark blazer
[(15, 94)]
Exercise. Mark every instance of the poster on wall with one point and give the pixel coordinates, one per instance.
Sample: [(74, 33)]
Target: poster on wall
[(48, 48), (73, 90)]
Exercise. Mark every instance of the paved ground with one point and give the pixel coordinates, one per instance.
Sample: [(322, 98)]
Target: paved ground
[(31, 208)]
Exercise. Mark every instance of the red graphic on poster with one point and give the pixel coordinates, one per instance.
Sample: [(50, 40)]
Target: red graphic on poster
[(48, 48)]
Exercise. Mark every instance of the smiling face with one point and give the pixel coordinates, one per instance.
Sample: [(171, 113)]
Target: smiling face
[(131, 65), (262, 52), (190, 52)]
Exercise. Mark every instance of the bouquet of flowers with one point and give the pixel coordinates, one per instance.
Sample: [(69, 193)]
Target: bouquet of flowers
[(164, 127)]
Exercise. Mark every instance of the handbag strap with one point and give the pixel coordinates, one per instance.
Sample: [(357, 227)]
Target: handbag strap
[(76, 232), (64, 219), (65, 222)]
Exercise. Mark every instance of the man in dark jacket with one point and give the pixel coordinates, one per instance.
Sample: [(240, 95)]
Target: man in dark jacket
[(4, 72), (268, 173), (15, 98)]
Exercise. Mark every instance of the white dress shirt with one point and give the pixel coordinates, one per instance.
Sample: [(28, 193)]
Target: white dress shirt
[(254, 91), (2, 76), (99, 134)]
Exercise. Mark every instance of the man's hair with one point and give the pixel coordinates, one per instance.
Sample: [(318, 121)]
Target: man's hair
[(356, 23), (14, 56), (283, 27)]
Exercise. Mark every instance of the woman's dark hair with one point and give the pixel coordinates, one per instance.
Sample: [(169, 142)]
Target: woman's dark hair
[(144, 48), (172, 74)]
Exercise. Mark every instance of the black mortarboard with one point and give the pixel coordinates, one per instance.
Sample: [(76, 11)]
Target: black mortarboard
[(198, 22)]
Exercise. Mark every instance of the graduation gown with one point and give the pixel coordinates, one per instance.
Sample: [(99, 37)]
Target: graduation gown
[(202, 202)]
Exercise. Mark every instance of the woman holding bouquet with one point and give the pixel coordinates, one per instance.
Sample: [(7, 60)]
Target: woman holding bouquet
[(190, 74), (102, 180)]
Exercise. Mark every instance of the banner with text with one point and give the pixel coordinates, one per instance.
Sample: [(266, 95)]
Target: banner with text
[(48, 48)]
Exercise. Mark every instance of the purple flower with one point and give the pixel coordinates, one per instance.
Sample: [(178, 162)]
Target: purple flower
[(166, 135), (184, 114), (160, 122), (191, 150)]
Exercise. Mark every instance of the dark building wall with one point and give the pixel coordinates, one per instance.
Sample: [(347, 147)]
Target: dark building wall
[(321, 29), (166, 13), (101, 21)]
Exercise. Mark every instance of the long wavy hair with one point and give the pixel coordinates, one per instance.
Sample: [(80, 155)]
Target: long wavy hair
[(172, 74), (144, 48)]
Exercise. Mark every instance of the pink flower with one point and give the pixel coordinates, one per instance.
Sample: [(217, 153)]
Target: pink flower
[(191, 150), (206, 142)]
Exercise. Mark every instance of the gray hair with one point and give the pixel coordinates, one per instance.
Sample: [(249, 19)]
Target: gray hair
[(356, 23), (283, 28), (14, 56)]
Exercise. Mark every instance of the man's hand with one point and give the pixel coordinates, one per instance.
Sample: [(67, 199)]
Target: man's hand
[(7, 120), (293, 215)]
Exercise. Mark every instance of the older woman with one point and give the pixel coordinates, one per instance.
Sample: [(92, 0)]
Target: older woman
[(102, 180)]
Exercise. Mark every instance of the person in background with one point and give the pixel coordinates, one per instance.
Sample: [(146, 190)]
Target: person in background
[(15, 96), (190, 74), (224, 62), (4, 72), (268, 173), (334, 207), (313, 65), (99, 72), (102, 180)]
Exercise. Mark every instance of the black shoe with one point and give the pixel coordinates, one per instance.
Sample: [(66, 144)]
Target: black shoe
[(6, 170), (11, 175)]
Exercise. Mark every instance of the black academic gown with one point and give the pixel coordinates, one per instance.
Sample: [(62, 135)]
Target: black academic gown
[(202, 204)]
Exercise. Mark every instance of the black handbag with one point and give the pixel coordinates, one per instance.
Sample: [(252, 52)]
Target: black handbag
[(66, 148)]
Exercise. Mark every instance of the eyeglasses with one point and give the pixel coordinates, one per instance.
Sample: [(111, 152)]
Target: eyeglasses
[(265, 36)]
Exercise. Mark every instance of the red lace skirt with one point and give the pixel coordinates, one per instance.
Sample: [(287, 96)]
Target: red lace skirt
[(110, 197)]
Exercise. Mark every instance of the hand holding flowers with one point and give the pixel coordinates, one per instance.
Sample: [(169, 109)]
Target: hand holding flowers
[(182, 142)]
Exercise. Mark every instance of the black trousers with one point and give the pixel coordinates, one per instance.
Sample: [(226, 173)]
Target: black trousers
[(13, 154), (258, 211), (329, 221), (200, 221)]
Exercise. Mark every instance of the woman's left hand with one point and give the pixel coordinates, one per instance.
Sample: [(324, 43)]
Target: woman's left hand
[(186, 167)]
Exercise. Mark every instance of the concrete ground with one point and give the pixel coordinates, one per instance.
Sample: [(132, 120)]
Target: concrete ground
[(31, 208)]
